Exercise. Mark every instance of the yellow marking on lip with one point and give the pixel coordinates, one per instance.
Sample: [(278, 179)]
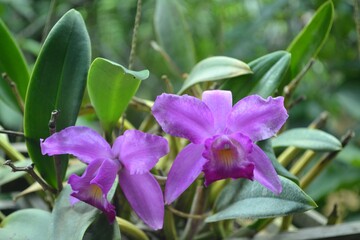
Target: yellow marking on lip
[(95, 191), (226, 156)]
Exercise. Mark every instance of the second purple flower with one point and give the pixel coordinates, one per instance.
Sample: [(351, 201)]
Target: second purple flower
[(222, 138)]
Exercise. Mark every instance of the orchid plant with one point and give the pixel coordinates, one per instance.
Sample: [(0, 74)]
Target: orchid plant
[(217, 151)]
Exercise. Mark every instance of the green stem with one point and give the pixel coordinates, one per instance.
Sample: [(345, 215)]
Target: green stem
[(134, 36), (49, 19), (130, 229), (10, 151), (169, 225), (197, 208)]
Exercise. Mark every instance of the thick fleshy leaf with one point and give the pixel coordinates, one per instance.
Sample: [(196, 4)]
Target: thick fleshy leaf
[(101, 229), (273, 78), (269, 72), (220, 104), (306, 138), (145, 197), (246, 199), (12, 62), (280, 169), (215, 68), (174, 35), (264, 171), (258, 118), (58, 82), (82, 142), (71, 222), (94, 185), (17, 225), (184, 116), (310, 40), (111, 87), (187, 166), (138, 151)]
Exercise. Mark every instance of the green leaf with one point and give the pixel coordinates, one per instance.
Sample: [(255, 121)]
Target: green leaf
[(111, 87), (12, 62), (71, 222), (58, 82), (307, 138), (246, 199), (173, 35), (26, 224), (268, 73), (280, 169), (311, 39), (215, 68), (101, 229)]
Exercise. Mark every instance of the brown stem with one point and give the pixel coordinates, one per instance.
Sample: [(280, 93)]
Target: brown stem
[(15, 91), (30, 170), (8, 132), (57, 159)]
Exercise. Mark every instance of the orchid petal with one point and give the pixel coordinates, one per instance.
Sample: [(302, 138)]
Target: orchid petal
[(227, 158), (138, 151), (184, 116), (186, 168), (145, 197), (93, 186), (264, 171), (82, 142), (258, 118), (220, 104)]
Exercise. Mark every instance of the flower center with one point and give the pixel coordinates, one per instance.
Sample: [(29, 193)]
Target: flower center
[(95, 191)]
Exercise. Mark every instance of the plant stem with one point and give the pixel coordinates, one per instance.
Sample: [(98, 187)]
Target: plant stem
[(324, 161), (15, 91), (57, 159), (134, 36), (30, 170), (197, 208), (169, 225), (130, 229), (14, 133), (48, 20)]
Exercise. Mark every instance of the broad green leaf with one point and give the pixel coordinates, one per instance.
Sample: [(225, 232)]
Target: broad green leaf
[(10, 118), (173, 35), (272, 79), (215, 68), (101, 229), (280, 169), (268, 73), (249, 199), (307, 138), (111, 87), (71, 222), (26, 224), (311, 39), (58, 82), (12, 62)]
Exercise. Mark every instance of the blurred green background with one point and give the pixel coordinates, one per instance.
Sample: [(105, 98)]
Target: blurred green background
[(245, 30)]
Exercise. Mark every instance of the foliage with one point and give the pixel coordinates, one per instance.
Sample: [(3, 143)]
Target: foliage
[(71, 57)]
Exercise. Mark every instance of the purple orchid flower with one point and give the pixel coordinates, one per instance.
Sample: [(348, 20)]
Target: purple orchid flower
[(222, 138), (131, 158)]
